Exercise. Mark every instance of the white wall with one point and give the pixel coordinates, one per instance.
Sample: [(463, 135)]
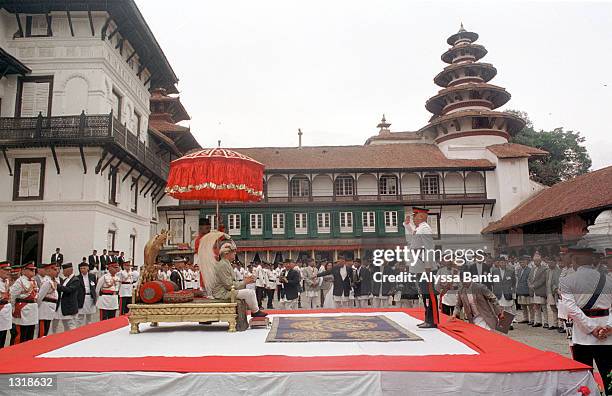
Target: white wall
[(85, 69), (75, 209)]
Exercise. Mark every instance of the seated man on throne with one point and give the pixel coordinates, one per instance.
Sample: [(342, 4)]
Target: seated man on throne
[(224, 279)]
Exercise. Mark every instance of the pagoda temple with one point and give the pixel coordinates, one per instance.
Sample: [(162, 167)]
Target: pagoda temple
[(464, 110)]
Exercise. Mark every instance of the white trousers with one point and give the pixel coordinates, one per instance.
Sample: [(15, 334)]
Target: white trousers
[(249, 297), (85, 319), (380, 302), (362, 303), (552, 312), (54, 326), (536, 313), (69, 323), (289, 304), (310, 302)]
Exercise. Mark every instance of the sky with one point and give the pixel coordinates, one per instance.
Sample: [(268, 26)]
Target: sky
[(253, 72)]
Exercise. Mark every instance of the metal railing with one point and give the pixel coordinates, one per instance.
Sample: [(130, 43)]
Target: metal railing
[(87, 130)]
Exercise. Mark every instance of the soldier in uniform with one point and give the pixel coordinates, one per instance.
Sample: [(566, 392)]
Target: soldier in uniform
[(197, 278), (127, 278), (189, 275), (6, 319), (47, 299), (270, 286), (107, 288), (422, 242), (587, 294), (24, 293)]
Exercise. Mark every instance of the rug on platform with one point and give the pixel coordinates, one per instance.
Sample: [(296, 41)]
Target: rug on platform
[(338, 329)]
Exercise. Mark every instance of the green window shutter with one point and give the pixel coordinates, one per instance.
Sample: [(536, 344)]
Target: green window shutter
[(380, 222), (312, 225), (357, 224), (267, 225), (335, 223), (290, 225)]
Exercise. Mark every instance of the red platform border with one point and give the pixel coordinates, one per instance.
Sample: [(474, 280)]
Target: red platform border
[(496, 354)]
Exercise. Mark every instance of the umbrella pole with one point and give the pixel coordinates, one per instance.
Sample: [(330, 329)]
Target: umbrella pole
[(218, 217)]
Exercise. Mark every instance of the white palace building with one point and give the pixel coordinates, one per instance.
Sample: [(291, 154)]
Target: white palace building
[(80, 166)]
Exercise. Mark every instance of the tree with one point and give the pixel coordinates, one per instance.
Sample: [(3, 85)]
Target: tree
[(567, 158)]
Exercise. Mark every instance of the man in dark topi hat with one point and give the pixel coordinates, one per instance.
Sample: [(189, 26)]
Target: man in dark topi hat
[(68, 289), (87, 294)]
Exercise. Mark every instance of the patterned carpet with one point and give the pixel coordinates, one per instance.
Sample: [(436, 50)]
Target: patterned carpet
[(338, 329)]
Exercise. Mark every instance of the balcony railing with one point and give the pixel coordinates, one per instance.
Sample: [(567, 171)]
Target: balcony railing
[(85, 130)]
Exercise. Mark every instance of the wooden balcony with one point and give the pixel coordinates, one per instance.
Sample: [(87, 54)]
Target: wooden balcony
[(79, 131), (405, 199)]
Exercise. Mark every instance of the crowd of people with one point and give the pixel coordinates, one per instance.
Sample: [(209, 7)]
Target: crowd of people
[(528, 285), (541, 291), (35, 300)]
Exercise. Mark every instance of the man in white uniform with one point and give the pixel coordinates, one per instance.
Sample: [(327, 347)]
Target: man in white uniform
[(587, 294), (47, 300), (422, 242), (87, 295), (24, 294), (6, 318), (107, 288), (127, 278)]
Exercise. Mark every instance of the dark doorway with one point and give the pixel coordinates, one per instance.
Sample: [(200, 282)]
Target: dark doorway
[(25, 243)]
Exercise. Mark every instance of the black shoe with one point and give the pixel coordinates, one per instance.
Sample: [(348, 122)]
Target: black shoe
[(545, 325), (511, 327), (537, 325), (429, 326), (553, 328), (524, 321), (421, 324), (259, 314), (560, 330), (530, 323)]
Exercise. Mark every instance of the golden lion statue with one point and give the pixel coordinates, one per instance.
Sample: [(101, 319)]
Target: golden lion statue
[(151, 250)]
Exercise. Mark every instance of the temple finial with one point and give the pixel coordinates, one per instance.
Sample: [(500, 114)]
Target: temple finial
[(383, 125), (461, 28)]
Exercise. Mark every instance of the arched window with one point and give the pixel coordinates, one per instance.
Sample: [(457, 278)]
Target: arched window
[(344, 185), (300, 186)]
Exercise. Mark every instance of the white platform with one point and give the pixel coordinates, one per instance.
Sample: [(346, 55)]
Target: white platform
[(192, 339)]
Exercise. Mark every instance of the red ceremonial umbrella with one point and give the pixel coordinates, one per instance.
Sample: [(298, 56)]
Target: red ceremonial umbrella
[(216, 174)]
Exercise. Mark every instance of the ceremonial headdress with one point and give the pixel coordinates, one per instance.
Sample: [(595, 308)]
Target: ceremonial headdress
[(227, 246), (66, 265), (5, 265), (29, 265)]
